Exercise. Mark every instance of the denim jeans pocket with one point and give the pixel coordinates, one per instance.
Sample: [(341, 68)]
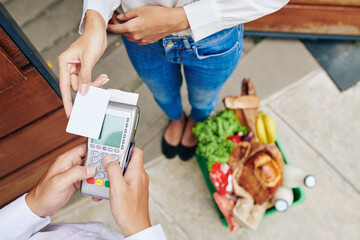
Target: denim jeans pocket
[(218, 44)]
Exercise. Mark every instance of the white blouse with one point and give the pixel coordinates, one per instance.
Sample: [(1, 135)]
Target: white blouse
[(18, 222), (204, 16)]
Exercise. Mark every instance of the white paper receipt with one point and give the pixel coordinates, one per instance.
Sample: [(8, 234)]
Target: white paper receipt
[(88, 113)]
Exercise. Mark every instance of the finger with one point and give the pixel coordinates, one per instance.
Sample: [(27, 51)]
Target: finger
[(96, 199), (77, 184), (74, 175), (128, 15), (114, 19), (100, 81), (85, 74), (74, 82), (64, 76), (131, 39), (70, 158), (117, 28), (114, 172), (137, 161)]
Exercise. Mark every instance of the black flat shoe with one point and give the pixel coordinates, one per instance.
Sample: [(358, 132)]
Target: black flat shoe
[(185, 153), (168, 150)]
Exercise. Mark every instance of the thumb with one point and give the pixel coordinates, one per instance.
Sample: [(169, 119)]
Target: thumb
[(127, 15), (114, 171), (75, 174), (85, 76)]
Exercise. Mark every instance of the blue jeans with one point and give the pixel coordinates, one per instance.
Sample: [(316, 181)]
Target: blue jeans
[(207, 64)]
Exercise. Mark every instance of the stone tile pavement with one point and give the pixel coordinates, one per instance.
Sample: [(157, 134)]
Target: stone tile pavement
[(318, 126)]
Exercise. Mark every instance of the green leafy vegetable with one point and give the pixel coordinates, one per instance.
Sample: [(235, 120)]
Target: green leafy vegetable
[(212, 134)]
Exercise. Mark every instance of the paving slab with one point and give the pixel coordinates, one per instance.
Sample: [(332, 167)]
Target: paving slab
[(151, 145), (249, 43), (272, 64), (54, 23), (25, 11), (51, 53), (328, 120), (118, 67)]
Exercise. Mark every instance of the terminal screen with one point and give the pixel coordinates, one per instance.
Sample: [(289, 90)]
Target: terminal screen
[(111, 132)]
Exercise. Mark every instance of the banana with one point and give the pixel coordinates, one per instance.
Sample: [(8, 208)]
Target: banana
[(265, 128), (270, 128), (260, 128)]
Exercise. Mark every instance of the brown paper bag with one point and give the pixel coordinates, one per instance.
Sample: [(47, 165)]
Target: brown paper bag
[(245, 106), (247, 213)]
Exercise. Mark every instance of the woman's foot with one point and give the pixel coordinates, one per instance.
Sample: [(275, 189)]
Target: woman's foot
[(188, 141), (172, 137)]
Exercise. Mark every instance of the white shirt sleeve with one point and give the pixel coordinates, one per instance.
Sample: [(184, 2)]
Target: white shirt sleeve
[(18, 221), (104, 7), (210, 16), (151, 233)]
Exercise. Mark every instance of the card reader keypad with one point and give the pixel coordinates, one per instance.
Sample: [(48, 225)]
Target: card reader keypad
[(96, 161), (97, 153)]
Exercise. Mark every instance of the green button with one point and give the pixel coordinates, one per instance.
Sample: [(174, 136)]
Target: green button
[(107, 184)]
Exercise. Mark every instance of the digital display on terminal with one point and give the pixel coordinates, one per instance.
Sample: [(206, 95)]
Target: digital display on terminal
[(111, 131)]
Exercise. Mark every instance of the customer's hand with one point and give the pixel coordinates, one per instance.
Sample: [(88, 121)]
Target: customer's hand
[(59, 182), (129, 194), (77, 62), (146, 25)]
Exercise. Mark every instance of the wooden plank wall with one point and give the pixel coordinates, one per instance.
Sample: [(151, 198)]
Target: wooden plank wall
[(32, 123), (332, 17)]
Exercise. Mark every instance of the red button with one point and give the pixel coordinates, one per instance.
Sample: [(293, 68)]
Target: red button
[(90, 180)]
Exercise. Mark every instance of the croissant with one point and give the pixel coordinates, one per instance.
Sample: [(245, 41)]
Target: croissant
[(261, 176)]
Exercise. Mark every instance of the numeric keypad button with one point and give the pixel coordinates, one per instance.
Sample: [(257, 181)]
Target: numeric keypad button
[(101, 168), (94, 153), (93, 160), (100, 175)]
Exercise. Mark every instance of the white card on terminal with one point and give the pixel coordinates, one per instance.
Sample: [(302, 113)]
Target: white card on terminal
[(88, 113)]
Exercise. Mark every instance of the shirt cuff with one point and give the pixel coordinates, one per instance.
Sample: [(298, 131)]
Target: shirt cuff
[(105, 7), (19, 222), (205, 22), (152, 233)]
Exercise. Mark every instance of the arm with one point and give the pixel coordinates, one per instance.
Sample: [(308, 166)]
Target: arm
[(104, 7), (77, 62), (146, 25), (207, 17), (19, 222), (29, 213)]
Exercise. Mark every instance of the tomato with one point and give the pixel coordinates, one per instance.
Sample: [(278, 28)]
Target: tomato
[(235, 139)]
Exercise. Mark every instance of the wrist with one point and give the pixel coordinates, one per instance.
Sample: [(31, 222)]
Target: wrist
[(180, 21), (31, 203), (94, 21), (135, 228)]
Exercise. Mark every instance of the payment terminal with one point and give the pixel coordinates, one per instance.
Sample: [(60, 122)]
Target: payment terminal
[(116, 139)]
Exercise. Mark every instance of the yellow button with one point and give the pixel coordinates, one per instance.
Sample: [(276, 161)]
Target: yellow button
[(99, 182), (170, 44)]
